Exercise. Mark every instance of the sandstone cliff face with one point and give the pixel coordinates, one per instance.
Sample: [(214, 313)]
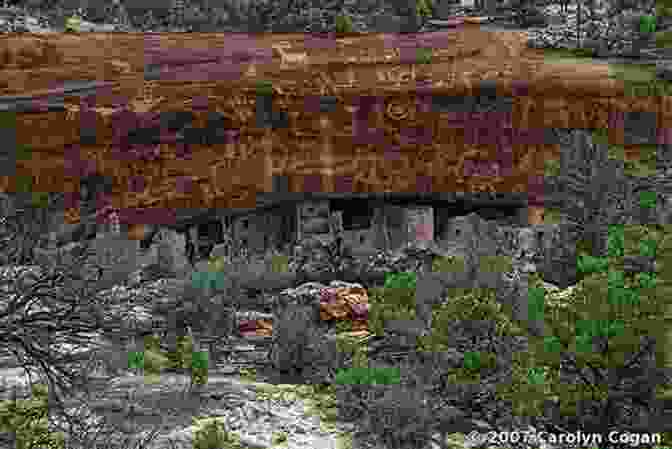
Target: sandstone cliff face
[(358, 115)]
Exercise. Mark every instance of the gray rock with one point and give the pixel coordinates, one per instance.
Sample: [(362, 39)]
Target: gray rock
[(387, 23), (664, 70)]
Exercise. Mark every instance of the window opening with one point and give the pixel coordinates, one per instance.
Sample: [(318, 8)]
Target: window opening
[(357, 214)]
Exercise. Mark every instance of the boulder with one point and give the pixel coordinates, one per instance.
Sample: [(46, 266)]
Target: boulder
[(664, 70), (530, 17), (172, 253)]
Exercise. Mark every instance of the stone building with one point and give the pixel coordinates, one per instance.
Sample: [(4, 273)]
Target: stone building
[(363, 223)]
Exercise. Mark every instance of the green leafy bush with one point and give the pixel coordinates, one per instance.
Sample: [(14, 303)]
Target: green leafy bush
[(424, 55), (199, 367), (28, 420), (609, 319), (402, 281), (424, 8), (448, 265), (279, 437), (389, 304), (343, 24), (212, 434), (367, 376), (264, 88), (181, 358), (395, 301)]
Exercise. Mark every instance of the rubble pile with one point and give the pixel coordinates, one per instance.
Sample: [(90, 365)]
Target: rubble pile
[(616, 37)]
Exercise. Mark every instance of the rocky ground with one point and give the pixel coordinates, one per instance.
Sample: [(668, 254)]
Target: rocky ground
[(260, 407), (242, 391)]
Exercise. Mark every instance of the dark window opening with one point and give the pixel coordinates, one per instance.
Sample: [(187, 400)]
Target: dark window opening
[(443, 214), (287, 227), (357, 214), (212, 231), (228, 221)]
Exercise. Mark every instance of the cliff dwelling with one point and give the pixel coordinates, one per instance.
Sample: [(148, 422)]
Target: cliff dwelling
[(363, 224)]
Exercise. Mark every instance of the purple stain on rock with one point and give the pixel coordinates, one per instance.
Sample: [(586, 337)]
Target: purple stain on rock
[(319, 42), (476, 135), (423, 184), (393, 153), (505, 137), (664, 136), (312, 104), (616, 120), (39, 105), (89, 167), (182, 150), (365, 106), (167, 137), (241, 57), (231, 136), (416, 136), (120, 149), (471, 134), (119, 101), (526, 136), (199, 102), (520, 88), (408, 55), (212, 71), (469, 168), (505, 159), (343, 184), (136, 184), (483, 168), (390, 41), (73, 164), (535, 189), (312, 183), (536, 136), (159, 216), (363, 135), (71, 200), (123, 121), (360, 311), (184, 184), (88, 101), (456, 119), (423, 101)]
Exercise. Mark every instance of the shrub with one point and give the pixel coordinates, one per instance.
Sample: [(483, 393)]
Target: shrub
[(395, 301), (389, 304), (424, 8), (343, 24), (367, 376), (279, 437), (212, 434), (614, 323), (181, 357), (28, 421)]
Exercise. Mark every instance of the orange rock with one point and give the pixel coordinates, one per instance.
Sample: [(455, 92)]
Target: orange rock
[(264, 328), (336, 310), (137, 231), (342, 307), (360, 326)]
